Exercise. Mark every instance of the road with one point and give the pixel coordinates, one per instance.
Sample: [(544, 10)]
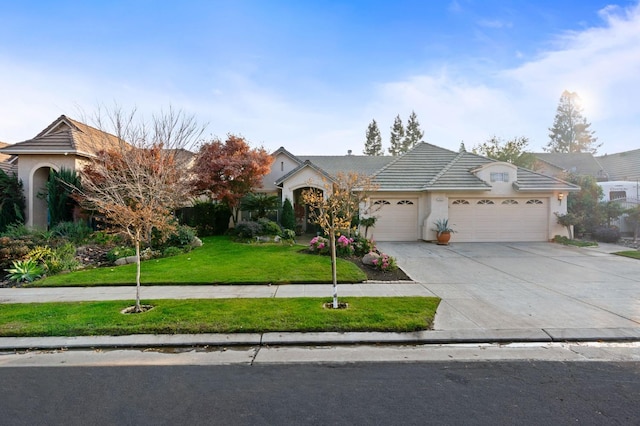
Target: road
[(523, 392)]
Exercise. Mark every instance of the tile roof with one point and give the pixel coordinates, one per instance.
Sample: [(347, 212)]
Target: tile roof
[(65, 135), (622, 166), (583, 163), (5, 164)]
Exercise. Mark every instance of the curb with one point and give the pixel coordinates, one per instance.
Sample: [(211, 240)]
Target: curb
[(441, 337)]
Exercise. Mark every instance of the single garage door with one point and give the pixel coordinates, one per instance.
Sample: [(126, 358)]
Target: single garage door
[(397, 219), (499, 219)]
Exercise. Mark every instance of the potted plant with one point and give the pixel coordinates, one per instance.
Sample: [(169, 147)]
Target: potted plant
[(443, 231)]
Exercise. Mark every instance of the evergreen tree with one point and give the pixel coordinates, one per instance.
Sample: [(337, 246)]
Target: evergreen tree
[(413, 134), (397, 137), (288, 217), (570, 131), (373, 144), (12, 202)]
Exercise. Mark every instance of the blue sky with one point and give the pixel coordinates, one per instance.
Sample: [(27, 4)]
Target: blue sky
[(310, 76)]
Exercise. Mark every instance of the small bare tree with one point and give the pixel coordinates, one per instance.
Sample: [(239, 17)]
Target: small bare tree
[(333, 210), (139, 174)]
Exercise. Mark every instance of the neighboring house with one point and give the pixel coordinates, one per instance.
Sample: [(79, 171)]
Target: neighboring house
[(65, 143), (484, 200), (578, 163), (623, 166), (7, 162)]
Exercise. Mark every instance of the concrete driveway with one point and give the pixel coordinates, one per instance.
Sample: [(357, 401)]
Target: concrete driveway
[(525, 285)]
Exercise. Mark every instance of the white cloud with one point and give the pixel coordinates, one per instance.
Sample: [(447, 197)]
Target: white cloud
[(602, 64)]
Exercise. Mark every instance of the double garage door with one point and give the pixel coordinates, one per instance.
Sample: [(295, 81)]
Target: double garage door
[(499, 219), (474, 220)]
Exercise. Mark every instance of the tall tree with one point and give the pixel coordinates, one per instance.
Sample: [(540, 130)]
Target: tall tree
[(227, 171), (511, 151), (397, 137), (136, 182), (334, 209), (413, 134), (570, 131), (373, 144), (12, 202)]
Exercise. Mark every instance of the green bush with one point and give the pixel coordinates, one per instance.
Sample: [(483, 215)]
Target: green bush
[(25, 271), (206, 217), (269, 227), (248, 230), (76, 232), (288, 215), (12, 202), (172, 251), (120, 251)]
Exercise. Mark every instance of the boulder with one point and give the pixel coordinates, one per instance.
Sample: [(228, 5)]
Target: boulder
[(369, 258), (125, 260)]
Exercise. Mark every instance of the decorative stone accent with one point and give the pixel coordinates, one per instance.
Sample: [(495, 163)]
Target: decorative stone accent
[(369, 258)]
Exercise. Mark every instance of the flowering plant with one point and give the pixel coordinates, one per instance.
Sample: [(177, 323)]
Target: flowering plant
[(319, 245), (344, 246), (385, 263)]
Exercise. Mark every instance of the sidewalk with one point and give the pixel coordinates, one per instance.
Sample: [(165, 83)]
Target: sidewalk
[(442, 335)]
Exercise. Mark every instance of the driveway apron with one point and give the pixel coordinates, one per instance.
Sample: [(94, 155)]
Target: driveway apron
[(524, 285)]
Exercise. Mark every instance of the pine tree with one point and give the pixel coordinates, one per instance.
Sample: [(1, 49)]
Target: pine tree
[(397, 137), (413, 134), (570, 131), (373, 144)]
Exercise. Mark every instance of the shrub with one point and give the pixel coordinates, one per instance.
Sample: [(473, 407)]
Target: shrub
[(385, 263), (289, 235), (172, 251), (269, 227), (73, 231), (607, 234), (248, 230), (288, 215), (206, 217), (25, 271), (344, 246), (12, 202), (120, 251), (319, 245), (183, 236)]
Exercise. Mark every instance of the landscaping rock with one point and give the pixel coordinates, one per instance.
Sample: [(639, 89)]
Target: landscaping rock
[(196, 242), (369, 258), (125, 260)]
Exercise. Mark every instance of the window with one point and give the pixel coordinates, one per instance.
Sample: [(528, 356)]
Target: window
[(534, 202), (405, 202), (282, 166), (510, 202), (485, 202), (460, 202), (381, 203), (617, 195), (500, 177)]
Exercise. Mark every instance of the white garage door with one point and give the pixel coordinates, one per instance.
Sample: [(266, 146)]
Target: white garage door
[(397, 219), (499, 219)]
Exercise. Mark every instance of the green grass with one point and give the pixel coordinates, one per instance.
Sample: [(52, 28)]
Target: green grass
[(219, 261), (387, 314), (635, 254), (578, 243)]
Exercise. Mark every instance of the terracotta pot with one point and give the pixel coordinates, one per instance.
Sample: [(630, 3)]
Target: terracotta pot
[(443, 238)]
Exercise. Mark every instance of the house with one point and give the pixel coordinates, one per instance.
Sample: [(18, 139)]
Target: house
[(623, 166), (6, 161), (65, 143), (484, 199)]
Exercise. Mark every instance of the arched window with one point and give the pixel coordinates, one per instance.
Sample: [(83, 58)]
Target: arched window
[(485, 202), (510, 202), (381, 202), (460, 202), (535, 202), (405, 202)]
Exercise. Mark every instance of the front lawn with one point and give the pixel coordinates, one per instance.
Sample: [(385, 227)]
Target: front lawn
[(386, 314), (219, 261), (635, 254)]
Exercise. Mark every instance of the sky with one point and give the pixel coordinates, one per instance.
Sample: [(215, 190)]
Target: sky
[(311, 75)]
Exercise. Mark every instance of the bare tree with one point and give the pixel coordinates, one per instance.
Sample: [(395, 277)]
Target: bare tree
[(334, 208), (139, 174)]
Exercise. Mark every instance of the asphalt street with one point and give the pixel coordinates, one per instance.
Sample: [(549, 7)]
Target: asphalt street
[(451, 393)]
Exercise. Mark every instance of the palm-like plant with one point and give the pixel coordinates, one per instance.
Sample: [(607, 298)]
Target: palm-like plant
[(25, 271)]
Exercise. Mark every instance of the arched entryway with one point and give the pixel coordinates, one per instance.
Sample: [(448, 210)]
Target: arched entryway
[(301, 211), (37, 203)]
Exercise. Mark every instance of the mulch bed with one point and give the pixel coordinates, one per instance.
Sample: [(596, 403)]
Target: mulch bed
[(374, 274)]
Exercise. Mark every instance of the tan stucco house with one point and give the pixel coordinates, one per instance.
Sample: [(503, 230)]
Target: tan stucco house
[(484, 200)]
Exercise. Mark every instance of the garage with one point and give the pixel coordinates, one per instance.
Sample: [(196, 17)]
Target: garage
[(397, 219), (499, 219)]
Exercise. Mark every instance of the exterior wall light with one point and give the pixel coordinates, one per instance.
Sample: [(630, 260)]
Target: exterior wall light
[(560, 197)]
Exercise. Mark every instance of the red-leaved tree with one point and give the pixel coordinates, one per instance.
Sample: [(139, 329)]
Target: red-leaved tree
[(227, 171)]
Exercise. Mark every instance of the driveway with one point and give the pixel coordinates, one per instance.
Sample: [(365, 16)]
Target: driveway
[(525, 285)]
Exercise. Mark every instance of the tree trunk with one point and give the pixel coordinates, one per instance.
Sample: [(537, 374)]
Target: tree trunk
[(334, 271), (138, 307)]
